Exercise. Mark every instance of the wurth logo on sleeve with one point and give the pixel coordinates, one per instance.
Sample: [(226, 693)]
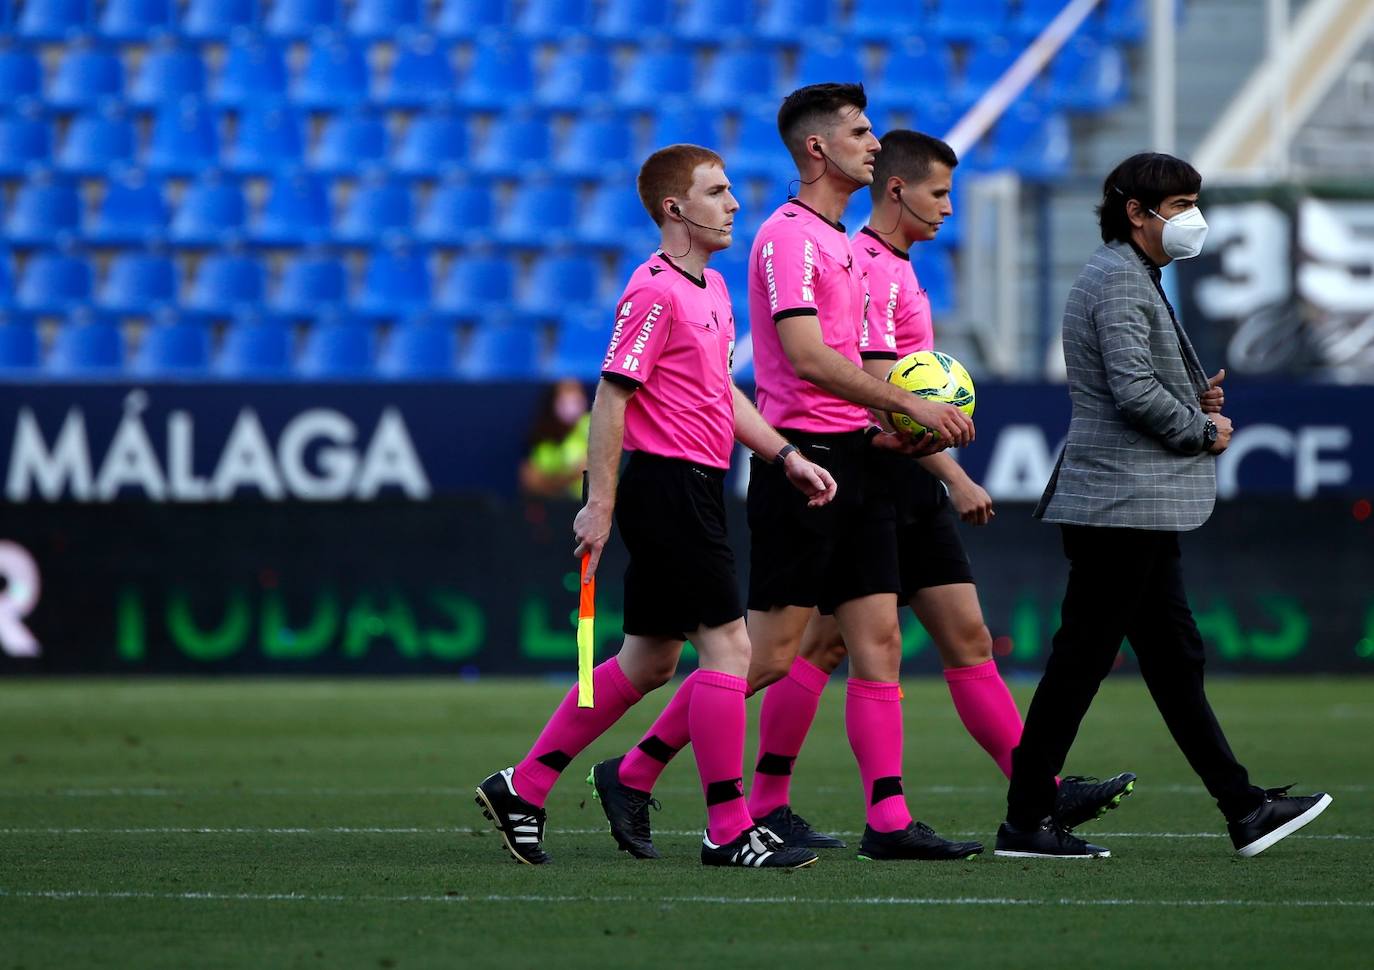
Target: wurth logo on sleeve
[(625, 309), (808, 282), (767, 254)]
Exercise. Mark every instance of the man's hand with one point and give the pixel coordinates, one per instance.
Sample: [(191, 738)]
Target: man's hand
[(592, 528), (811, 480), (952, 425), (1213, 398), (912, 446), (1223, 424), (972, 502)]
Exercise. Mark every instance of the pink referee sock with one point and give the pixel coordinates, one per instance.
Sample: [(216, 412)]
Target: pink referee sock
[(668, 735), (717, 727), (571, 729), (789, 707), (873, 718), (987, 709)]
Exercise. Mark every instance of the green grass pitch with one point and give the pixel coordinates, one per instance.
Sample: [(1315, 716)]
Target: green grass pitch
[(331, 824)]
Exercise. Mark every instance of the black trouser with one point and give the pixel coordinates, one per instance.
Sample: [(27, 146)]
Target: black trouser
[(1123, 583)]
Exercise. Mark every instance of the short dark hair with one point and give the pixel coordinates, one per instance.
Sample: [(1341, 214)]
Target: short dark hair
[(669, 171), (805, 107), (1149, 178), (909, 155)]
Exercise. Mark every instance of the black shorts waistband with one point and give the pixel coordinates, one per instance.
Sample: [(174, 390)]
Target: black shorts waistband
[(650, 459), (839, 440)]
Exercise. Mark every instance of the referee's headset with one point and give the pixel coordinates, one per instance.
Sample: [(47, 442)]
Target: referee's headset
[(676, 210)]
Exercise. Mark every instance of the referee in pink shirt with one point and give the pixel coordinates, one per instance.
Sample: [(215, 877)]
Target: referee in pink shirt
[(667, 398)]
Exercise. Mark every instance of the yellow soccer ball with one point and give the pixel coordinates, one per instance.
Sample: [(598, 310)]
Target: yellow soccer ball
[(934, 376)]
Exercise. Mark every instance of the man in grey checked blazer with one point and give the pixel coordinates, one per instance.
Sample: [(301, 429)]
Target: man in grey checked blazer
[(1138, 468)]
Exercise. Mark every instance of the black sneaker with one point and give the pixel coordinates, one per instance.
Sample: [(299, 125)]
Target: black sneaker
[(521, 824), (1277, 818), (1082, 799), (917, 841), (756, 848), (796, 831), (1048, 840), (626, 808)]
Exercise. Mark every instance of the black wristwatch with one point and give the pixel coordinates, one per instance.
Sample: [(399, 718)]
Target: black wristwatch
[(1209, 433), (781, 457)]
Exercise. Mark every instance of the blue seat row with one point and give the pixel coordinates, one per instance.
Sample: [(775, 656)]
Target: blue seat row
[(698, 21)]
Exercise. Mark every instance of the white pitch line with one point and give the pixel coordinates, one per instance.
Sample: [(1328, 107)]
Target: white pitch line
[(58, 894)]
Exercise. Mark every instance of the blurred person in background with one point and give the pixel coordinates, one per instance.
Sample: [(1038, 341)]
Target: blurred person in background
[(558, 443)]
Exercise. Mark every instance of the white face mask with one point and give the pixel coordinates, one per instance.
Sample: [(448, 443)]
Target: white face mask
[(1184, 234)]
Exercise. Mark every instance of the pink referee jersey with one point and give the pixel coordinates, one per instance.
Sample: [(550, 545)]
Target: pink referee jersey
[(802, 264), (899, 313), (674, 342)]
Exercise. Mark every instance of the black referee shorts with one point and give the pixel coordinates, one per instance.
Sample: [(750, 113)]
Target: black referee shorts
[(929, 549), (671, 516), (823, 557)]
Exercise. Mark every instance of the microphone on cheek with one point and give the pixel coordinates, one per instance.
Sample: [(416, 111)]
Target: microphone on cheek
[(678, 212)]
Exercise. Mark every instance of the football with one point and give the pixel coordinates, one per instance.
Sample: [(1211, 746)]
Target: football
[(935, 376)]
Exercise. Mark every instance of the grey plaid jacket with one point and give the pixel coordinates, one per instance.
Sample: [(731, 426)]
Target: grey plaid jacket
[(1135, 456)]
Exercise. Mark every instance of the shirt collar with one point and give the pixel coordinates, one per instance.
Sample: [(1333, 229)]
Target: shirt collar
[(1150, 266), (700, 283), (838, 226), (899, 253)]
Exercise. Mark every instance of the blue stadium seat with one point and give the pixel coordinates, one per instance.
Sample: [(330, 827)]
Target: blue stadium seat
[(598, 146), (184, 140), (267, 138), (716, 21), (349, 144), (339, 347), (501, 75), (255, 346), (580, 343), (211, 213), (132, 211), (476, 286), (224, 282), (559, 284), (634, 21), (308, 283), (297, 19), (53, 19), (503, 349), (138, 282), (935, 271), (686, 124), (970, 20), (758, 151), (579, 78), (474, 19), (1087, 76), (554, 19), (540, 214), (421, 75), (986, 63), (335, 75), (1123, 20), (379, 210), (886, 21), (21, 75), (516, 145), (53, 282), (85, 76), (96, 143), (1037, 145), (1033, 16), (25, 143), (218, 19), (829, 60), (420, 347), (296, 212), (654, 71), (457, 213), (46, 210), (615, 219), (396, 282), (435, 144), (788, 21), (382, 19), (87, 344), (914, 73), (20, 351), (167, 74), (735, 70), (6, 282), (173, 348), (135, 20), (254, 72)]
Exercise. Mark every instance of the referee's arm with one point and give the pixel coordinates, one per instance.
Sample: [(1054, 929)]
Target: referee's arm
[(760, 437), (592, 527)]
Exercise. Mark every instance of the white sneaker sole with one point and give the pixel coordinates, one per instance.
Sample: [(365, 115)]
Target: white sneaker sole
[(1013, 854), (1284, 830)]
